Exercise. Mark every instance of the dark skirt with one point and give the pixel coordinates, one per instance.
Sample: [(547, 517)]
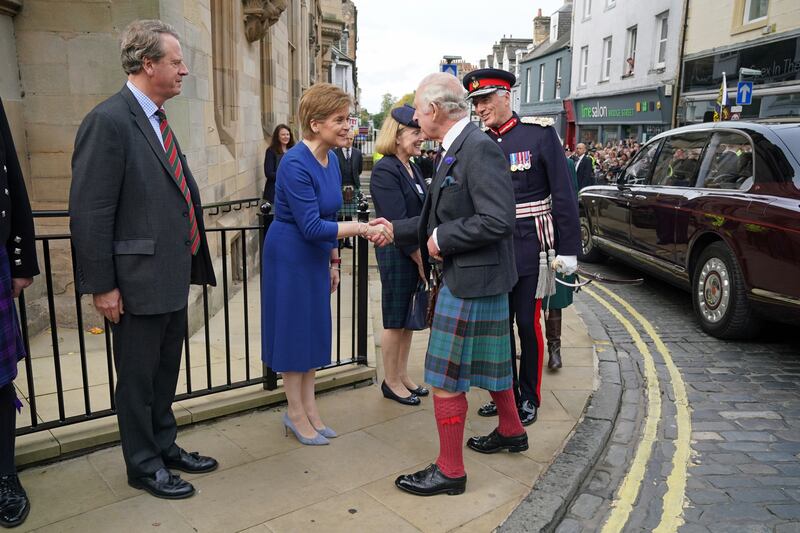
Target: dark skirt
[(399, 278), (470, 343), (12, 348), (563, 296)]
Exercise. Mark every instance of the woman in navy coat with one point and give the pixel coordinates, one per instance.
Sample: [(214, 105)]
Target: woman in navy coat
[(398, 191)]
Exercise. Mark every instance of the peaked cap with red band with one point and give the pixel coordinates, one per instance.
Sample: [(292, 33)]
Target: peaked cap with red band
[(488, 80)]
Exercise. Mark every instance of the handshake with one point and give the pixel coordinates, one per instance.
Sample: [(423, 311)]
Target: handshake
[(378, 231)]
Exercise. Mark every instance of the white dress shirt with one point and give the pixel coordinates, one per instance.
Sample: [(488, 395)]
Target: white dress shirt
[(149, 107), (447, 141)]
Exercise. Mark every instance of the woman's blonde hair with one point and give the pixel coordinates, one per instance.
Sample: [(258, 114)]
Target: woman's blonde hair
[(386, 143), (319, 102)]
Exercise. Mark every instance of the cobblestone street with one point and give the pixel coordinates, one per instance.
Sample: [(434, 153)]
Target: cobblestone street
[(743, 472)]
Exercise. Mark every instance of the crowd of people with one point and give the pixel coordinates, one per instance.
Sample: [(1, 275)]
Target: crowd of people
[(607, 160), (486, 228)]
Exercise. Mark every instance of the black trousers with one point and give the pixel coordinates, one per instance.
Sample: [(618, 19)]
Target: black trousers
[(526, 310), (147, 355), (8, 422)]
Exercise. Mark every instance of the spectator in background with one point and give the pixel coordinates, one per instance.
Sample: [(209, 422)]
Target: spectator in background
[(282, 140), (583, 167), (351, 164)]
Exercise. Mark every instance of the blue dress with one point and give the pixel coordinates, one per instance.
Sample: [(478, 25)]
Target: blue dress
[(295, 281)]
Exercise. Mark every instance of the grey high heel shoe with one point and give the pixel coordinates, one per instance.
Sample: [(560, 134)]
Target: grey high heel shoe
[(327, 432), (318, 440)]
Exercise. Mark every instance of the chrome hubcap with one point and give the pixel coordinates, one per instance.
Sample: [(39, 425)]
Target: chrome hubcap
[(586, 238), (713, 290)]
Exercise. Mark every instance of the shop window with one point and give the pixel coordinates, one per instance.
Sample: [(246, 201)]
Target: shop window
[(662, 30), (728, 163), (679, 160), (638, 172), (606, 66)]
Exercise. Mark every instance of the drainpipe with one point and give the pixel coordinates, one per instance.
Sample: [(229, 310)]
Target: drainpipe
[(676, 93)]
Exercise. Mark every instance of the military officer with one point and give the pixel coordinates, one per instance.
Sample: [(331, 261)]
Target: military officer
[(547, 231), (17, 267)]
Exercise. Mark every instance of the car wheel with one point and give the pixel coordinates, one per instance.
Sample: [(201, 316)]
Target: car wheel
[(719, 295), (589, 252)]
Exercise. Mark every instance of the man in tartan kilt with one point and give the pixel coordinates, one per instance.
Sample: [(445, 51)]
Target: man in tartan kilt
[(466, 224), (546, 223)]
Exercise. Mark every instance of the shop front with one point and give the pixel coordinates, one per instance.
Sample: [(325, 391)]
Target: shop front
[(639, 115), (776, 91)]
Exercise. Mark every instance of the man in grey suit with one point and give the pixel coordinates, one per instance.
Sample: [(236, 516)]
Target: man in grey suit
[(466, 224), (137, 228)]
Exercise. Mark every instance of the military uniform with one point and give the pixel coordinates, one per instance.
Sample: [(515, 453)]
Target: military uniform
[(546, 225), (17, 260)]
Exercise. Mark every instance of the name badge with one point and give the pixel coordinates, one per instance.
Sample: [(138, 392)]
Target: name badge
[(419, 188)]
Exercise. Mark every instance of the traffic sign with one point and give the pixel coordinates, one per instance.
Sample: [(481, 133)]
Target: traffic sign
[(744, 93), (450, 68)]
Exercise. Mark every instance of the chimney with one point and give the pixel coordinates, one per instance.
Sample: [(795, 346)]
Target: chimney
[(541, 28)]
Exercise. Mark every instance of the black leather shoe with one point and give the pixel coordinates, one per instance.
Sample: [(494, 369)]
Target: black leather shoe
[(431, 481), (495, 442), (408, 400), (527, 413), (14, 504), (487, 409), (419, 391), (163, 484), (192, 463)]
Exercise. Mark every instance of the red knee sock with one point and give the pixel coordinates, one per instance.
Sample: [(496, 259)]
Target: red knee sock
[(451, 415), (510, 425)]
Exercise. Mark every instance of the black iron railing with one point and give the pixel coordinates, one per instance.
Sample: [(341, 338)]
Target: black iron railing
[(224, 364)]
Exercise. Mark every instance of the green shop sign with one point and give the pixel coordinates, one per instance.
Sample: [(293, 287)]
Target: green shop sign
[(640, 107)]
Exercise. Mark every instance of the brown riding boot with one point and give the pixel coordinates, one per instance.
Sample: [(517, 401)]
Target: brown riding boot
[(552, 326)]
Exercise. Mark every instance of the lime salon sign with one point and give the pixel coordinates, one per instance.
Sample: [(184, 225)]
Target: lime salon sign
[(645, 107)]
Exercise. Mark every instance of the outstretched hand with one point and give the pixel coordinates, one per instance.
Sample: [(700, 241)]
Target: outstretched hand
[(380, 232)]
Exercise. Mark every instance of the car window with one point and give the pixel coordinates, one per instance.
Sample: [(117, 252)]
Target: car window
[(679, 160), (728, 163), (638, 172)]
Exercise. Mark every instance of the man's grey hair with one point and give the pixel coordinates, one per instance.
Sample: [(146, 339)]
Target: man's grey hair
[(141, 39), (446, 92)]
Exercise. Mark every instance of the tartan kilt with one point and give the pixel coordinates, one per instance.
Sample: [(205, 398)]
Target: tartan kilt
[(563, 296), (470, 343), (12, 348), (399, 279), (350, 209)]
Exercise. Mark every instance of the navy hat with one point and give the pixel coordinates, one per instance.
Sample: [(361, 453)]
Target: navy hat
[(405, 116), (488, 80)]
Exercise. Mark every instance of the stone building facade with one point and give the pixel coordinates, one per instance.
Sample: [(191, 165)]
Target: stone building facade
[(249, 62)]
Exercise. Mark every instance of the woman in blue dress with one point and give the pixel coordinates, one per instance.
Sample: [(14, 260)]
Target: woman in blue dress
[(301, 257)]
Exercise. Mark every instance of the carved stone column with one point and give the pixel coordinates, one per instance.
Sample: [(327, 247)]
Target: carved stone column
[(259, 15)]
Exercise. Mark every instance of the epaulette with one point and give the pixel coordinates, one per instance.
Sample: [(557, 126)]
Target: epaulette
[(539, 121)]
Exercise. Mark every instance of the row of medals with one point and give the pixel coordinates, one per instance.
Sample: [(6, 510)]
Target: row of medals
[(520, 161)]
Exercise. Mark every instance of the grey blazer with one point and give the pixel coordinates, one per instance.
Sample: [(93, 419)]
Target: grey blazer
[(128, 218), (471, 201)]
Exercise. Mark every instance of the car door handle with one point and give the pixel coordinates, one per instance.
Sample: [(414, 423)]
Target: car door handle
[(627, 195), (640, 197)]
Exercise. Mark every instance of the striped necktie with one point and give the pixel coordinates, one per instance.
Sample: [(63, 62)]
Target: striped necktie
[(180, 179)]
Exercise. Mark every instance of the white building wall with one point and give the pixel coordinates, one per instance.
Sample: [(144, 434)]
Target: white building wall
[(614, 21)]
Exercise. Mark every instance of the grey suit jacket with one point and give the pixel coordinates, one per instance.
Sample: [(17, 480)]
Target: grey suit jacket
[(471, 202), (128, 218)]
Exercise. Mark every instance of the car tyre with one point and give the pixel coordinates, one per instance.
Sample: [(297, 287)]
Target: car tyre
[(589, 253), (719, 295)]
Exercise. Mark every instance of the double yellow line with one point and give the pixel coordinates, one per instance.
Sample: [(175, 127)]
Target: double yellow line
[(672, 503)]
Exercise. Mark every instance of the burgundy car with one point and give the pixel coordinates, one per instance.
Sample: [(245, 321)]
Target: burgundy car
[(715, 209)]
